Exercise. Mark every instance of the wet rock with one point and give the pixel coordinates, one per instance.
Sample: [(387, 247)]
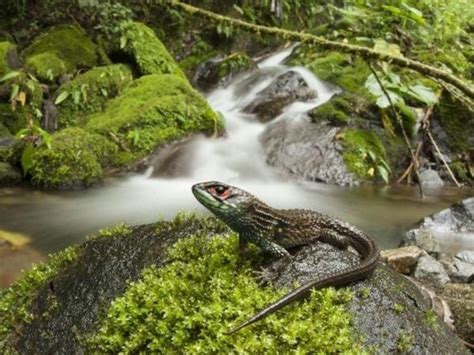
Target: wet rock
[(460, 298), (306, 151), (403, 259), (218, 71), (466, 255), (430, 179), (284, 90), (9, 175), (431, 270), (458, 270), (67, 307), (448, 230), (387, 308)]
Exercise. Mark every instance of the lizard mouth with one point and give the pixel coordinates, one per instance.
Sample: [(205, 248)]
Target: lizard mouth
[(204, 197)]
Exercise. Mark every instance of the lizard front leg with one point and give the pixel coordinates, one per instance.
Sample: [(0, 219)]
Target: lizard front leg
[(269, 274)]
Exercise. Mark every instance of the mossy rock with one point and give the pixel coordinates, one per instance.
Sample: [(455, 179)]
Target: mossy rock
[(63, 49), (457, 122), (462, 172), (362, 150), (178, 286), (154, 110), (217, 71), (74, 160), (8, 58), (348, 72), (9, 175), (147, 51), (89, 92)]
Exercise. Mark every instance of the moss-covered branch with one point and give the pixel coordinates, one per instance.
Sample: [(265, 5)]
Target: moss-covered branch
[(365, 52)]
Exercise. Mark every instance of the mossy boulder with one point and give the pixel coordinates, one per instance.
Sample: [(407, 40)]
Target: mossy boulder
[(218, 71), (9, 175), (344, 70), (147, 51), (89, 92), (178, 286), (363, 152), (8, 58), (63, 49), (457, 123), (74, 160), (151, 111)]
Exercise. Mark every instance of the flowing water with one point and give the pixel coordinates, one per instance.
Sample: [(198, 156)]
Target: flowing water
[(56, 219)]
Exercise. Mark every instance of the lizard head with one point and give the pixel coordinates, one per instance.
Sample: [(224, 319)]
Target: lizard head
[(225, 201)]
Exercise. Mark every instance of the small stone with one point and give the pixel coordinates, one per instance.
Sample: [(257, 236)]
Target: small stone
[(466, 255), (430, 179), (402, 259), (431, 270), (423, 239), (458, 270)]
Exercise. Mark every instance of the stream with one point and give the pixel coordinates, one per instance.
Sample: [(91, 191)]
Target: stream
[(54, 220)]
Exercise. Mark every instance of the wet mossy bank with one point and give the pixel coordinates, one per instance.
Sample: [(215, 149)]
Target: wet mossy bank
[(124, 110), (178, 286)]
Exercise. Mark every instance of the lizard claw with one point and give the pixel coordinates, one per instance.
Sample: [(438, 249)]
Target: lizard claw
[(266, 275)]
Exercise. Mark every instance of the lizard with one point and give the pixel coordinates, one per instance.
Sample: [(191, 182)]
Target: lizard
[(277, 230)]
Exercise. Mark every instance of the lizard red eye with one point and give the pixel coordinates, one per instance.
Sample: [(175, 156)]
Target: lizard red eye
[(221, 191)]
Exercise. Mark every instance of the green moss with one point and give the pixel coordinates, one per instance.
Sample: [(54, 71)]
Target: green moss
[(154, 110), (329, 111), (191, 62), (347, 72), (188, 305), (75, 159), (405, 341), (15, 300), (432, 320), (149, 53), (458, 123), (461, 171), (67, 44), (5, 49), (398, 308), (46, 66), (358, 147), (89, 92), (234, 63), (120, 229)]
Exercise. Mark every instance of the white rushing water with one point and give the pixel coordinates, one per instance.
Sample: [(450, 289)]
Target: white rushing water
[(55, 220)]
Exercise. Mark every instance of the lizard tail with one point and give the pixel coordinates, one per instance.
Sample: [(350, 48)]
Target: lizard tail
[(363, 270)]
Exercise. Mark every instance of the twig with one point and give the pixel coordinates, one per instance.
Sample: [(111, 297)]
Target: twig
[(408, 170), (400, 123), (428, 133)]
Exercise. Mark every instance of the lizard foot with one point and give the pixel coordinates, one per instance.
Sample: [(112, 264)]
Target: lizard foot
[(267, 275)]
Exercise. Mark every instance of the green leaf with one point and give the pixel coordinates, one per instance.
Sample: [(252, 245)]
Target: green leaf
[(45, 136), (27, 158), (76, 96), (61, 97), (10, 75), (123, 42), (104, 92), (14, 92), (383, 173), (423, 94), (389, 48)]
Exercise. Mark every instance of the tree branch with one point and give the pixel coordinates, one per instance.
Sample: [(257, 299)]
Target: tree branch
[(365, 52)]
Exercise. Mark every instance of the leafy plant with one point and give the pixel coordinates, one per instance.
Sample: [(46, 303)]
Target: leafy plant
[(33, 136)]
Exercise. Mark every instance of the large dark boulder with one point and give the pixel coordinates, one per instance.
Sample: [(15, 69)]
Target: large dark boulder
[(388, 314), (283, 90), (307, 151)]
